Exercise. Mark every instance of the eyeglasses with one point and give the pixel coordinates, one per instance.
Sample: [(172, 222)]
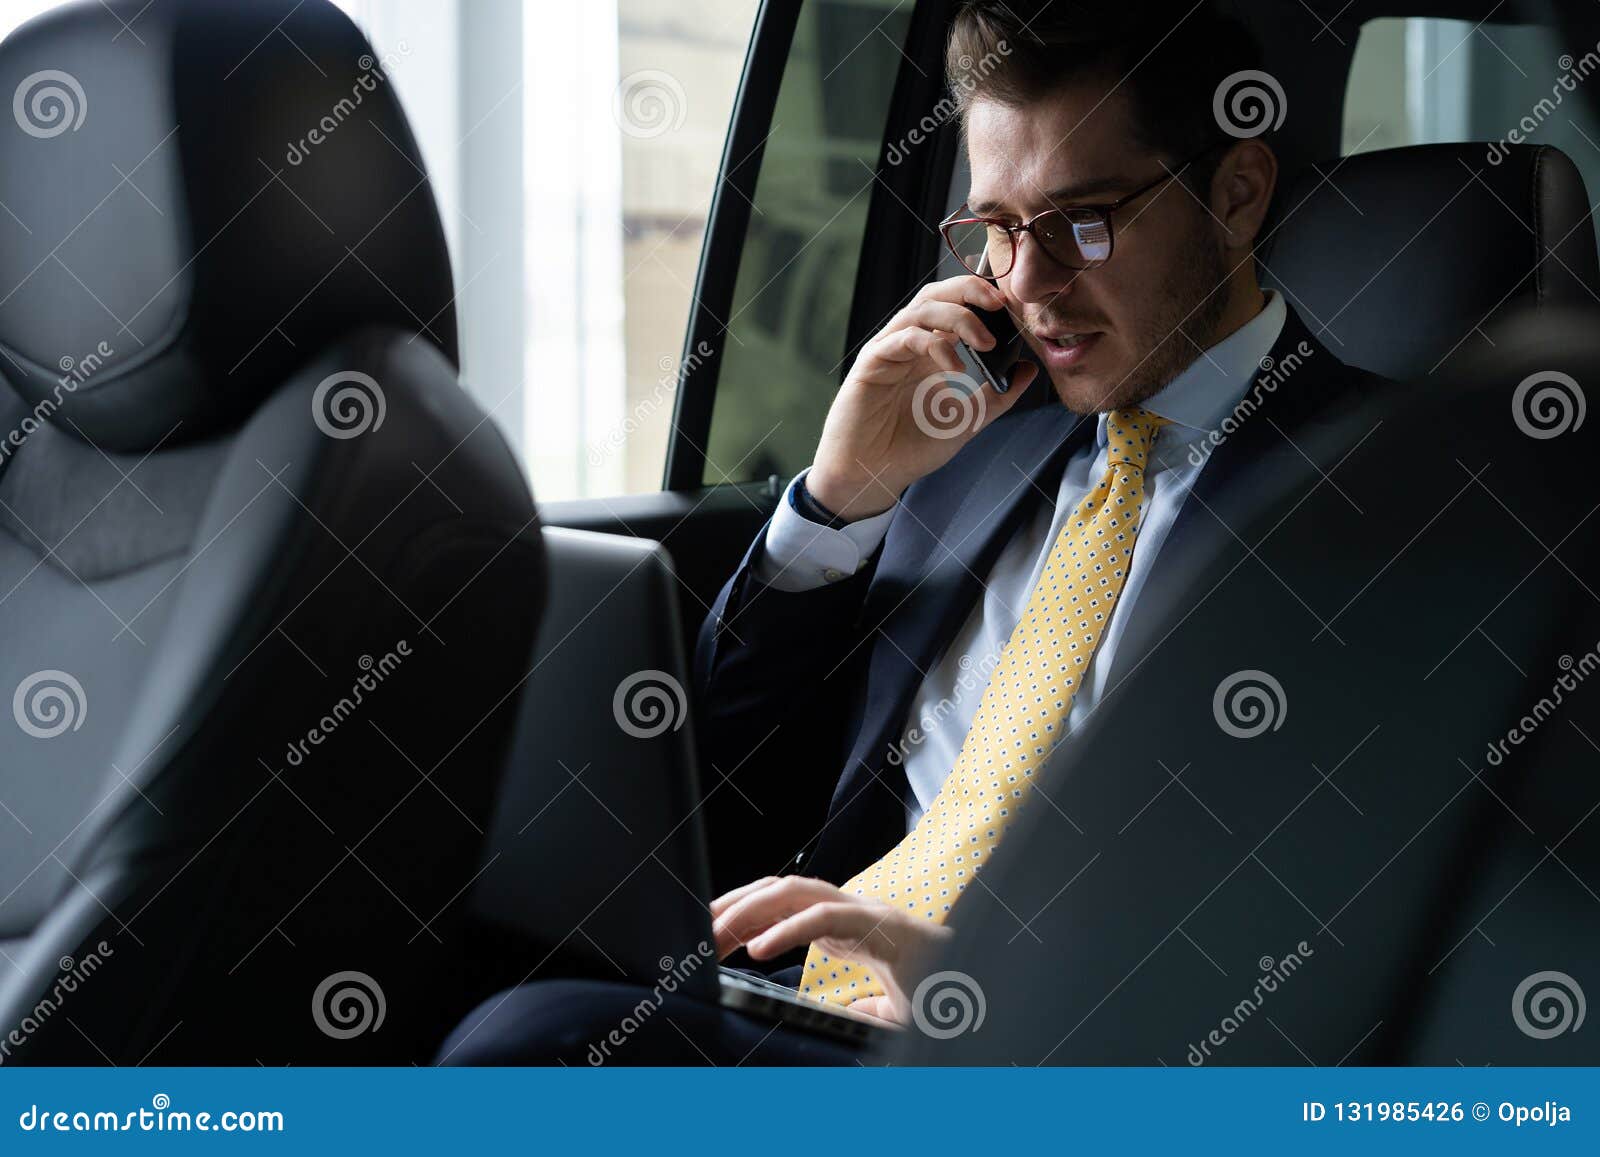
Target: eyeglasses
[(1076, 238)]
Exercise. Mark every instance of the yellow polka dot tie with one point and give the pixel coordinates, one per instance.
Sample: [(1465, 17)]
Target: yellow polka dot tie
[(1023, 711)]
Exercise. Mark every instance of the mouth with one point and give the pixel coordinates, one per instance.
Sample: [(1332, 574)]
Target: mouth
[(1067, 348)]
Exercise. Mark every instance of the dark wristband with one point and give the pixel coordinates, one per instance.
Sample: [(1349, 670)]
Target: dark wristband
[(812, 510)]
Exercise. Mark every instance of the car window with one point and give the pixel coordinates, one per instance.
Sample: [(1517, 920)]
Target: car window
[(786, 331), (574, 186), (1421, 81)]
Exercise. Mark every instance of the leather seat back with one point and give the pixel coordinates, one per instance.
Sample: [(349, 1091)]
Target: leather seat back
[(1400, 260), (268, 577)]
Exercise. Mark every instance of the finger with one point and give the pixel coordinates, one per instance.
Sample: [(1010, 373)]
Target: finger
[(754, 913), (968, 288), (910, 345), (765, 906), (735, 924), (903, 345), (723, 902), (852, 921), (942, 349), (955, 318), (878, 1008)]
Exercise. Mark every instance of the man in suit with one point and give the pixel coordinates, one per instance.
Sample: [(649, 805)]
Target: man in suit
[(925, 591), (1122, 215)]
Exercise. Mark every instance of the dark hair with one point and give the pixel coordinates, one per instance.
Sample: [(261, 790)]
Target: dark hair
[(1170, 59)]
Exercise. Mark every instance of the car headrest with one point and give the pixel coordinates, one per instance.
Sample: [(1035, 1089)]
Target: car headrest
[(1399, 259), (198, 197)]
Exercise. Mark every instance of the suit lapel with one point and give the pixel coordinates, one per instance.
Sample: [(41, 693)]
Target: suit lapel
[(946, 563), (1258, 462)]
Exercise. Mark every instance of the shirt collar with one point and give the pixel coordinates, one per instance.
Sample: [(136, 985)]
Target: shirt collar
[(1198, 399)]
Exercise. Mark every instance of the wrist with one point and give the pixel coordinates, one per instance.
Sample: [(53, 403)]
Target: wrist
[(806, 505), (847, 499)]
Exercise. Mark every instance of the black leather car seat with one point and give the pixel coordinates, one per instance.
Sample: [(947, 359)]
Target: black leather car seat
[(269, 579), (1402, 260)]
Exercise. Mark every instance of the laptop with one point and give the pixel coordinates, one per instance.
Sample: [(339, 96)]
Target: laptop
[(598, 850)]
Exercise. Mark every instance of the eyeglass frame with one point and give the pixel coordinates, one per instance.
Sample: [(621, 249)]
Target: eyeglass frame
[(1102, 210)]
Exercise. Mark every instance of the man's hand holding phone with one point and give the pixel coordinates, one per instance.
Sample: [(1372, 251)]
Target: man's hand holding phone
[(882, 432)]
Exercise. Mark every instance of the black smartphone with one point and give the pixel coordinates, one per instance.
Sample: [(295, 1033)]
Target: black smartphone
[(994, 363)]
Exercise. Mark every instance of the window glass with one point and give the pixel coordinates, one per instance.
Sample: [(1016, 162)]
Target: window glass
[(15, 12), (785, 333), (626, 106), (573, 149)]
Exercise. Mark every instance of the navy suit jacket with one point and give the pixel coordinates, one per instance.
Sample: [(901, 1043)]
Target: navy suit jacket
[(802, 696)]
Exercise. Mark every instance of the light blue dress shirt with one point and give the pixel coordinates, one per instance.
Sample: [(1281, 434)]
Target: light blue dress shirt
[(802, 555)]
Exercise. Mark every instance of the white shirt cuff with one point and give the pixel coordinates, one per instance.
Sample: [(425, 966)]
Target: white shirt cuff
[(802, 555)]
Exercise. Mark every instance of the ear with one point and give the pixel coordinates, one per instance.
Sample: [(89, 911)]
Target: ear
[(1242, 191)]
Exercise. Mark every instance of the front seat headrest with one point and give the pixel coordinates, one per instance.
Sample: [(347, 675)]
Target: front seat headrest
[(199, 196), (1399, 259)]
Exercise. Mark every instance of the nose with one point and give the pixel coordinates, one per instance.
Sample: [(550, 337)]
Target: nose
[(1035, 277)]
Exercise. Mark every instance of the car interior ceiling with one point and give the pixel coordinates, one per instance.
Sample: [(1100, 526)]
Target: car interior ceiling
[(1512, 261)]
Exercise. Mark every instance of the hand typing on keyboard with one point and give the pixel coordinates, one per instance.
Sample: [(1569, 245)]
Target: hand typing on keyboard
[(773, 915)]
